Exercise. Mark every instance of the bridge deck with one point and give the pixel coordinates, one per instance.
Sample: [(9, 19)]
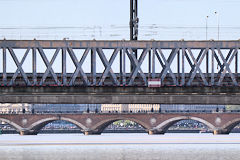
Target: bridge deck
[(120, 95)]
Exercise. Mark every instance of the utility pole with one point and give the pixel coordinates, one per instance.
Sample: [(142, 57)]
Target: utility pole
[(133, 20), (134, 24)]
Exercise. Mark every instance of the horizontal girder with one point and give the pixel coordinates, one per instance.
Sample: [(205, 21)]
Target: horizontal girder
[(118, 44)]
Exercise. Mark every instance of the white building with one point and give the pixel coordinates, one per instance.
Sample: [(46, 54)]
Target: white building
[(129, 107), (14, 108)]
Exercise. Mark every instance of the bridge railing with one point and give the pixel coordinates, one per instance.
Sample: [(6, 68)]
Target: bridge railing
[(121, 112), (99, 63)]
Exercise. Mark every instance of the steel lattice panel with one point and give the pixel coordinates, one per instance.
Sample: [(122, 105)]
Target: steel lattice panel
[(175, 63)]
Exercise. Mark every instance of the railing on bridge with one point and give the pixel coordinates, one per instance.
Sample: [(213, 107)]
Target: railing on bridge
[(113, 63)]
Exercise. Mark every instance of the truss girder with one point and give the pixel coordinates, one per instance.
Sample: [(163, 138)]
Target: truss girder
[(177, 63)]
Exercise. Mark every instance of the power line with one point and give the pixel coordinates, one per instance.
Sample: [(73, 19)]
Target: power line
[(112, 26)]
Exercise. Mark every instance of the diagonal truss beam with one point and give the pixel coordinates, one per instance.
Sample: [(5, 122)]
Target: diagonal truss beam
[(49, 66), (108, 64), (78, 66), (167, 66), (197, 67), (227, 67), (19, 66), (137, 64), (193, 65), (219, 63), (159, 59)]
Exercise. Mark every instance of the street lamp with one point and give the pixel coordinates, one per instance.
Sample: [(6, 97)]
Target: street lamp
[(217, 14), (207, 27)]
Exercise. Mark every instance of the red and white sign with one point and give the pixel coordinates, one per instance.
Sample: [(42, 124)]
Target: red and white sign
[(154, 82)]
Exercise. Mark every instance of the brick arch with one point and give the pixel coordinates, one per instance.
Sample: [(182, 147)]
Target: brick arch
[(163, 127), (100, 126), (14, 125), (230, 125), (37, 126)]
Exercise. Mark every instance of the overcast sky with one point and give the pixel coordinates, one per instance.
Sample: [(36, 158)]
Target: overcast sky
[(168, 15), (109, 19)]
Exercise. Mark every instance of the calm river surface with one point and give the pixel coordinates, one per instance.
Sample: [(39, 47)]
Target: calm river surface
[(120, 147)]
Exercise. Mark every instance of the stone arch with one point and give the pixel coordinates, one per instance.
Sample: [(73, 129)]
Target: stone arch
[(14, 125), (230, 125), (37, 126), (100, 126), (74, 122), (163, 127)]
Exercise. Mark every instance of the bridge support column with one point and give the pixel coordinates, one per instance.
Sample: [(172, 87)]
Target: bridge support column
[(220, 131), (91, 133), (27, 132), (154, 132)]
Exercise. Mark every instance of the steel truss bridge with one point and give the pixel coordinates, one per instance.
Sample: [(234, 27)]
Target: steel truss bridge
[(190, 72), (175, 63)]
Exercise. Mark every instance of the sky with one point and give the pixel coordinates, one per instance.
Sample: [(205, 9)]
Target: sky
[(109, 19)]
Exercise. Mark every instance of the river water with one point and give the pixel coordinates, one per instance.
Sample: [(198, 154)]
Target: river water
[(120, 147)]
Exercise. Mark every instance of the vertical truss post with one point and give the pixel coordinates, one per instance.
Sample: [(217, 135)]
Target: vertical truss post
[(93, 65), (236, 63), (183, 71), (34, 66), (4, 67), (123, 67), (153, 62), (207, 64), (149, 64), (64, 68), (212, 74), (178, 65)]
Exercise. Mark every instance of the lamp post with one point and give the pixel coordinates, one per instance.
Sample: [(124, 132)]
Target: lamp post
[(207, 27), (218, 28)]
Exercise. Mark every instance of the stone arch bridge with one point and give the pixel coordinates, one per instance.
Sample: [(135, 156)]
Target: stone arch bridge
[(154, 123)]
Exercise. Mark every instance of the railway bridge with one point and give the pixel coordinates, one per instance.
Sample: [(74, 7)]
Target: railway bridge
[(188, 72)]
